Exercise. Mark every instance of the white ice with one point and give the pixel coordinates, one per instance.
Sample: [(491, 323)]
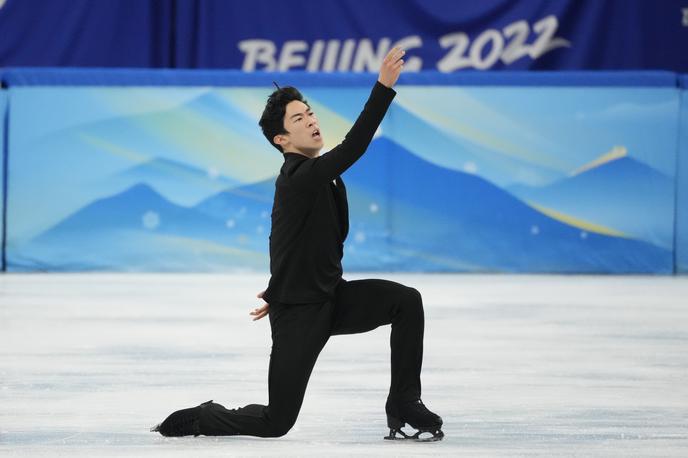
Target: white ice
[(515, 365)]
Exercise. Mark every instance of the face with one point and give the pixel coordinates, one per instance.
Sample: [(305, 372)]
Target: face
[(303, 130)]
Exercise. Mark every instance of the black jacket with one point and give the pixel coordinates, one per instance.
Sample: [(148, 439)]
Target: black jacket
[(310, 214)]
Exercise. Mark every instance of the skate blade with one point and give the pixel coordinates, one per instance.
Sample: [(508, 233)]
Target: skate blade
[(436, 436)]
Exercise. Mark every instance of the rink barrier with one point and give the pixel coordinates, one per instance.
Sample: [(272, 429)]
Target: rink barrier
[(14, 77), (27, 78), (681, 232), (4, 124)]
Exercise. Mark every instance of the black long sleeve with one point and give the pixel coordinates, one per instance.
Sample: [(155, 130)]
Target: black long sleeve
[(310, 218)]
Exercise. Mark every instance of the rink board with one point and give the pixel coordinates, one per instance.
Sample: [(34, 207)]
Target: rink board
[(682, 185), (168, 171), (3, 155)]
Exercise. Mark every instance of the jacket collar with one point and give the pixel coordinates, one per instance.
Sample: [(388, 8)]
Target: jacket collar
[(289, 155)]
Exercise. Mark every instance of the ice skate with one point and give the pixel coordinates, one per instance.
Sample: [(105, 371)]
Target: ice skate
[(426, 423), (183, 422)]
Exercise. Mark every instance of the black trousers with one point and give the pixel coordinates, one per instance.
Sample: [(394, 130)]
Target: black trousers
[(299, 333)]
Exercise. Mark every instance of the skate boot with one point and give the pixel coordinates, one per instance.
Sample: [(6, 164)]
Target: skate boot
[(182, 422), (417, 416)]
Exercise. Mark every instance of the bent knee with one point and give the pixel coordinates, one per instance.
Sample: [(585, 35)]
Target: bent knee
[(414, 298), (414, 295), (412, 302)]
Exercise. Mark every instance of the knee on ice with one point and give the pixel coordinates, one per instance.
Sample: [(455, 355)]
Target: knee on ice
[(279, 425), (280, 429)]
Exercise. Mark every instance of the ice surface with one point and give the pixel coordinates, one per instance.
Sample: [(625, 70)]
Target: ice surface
[(515, 365)]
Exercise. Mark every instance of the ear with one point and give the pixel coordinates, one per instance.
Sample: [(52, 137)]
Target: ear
[(279, 139)]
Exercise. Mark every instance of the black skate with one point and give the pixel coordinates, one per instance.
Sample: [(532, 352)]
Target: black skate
[(417, 416), (181, 423)]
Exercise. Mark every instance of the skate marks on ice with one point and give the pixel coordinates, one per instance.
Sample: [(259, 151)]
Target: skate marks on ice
[(515, 365)]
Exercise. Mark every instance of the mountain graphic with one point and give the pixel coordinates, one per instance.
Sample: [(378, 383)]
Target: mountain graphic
[(453, 151), (241, 201), (441, 219), (127, 209), (173, 178), (442, 147), (204, 130), (427, 218), (139, 229), (194, 133), (612, 195)]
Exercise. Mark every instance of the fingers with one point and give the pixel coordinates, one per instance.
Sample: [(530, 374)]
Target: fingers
[(260, 312), (391, 67), (258, 317), (394, 55), (260, 309)]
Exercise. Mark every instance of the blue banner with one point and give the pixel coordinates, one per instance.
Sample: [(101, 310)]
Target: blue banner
[(442, 35), (103, 33), (347, 35)]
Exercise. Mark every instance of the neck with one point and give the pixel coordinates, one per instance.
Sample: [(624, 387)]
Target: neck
[(308, 154)]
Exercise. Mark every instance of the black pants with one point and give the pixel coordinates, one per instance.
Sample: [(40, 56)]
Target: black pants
[(299, 333)]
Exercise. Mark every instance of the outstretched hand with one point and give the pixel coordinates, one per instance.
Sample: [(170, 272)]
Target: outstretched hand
[(261, 311), (391, 67)]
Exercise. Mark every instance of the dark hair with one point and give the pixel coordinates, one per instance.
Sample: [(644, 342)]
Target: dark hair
[(272, 120)]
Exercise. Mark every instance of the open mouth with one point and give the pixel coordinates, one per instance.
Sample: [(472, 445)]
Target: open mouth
[(316, 134)]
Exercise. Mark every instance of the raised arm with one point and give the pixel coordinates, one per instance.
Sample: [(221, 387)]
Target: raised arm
[(330, 165)]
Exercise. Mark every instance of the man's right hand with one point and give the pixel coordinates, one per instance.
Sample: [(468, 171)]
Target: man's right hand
[(261, 311), (391, 67)]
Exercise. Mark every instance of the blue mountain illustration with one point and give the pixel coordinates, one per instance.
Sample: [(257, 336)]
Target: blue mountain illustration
[(456, 151), (127, 209), (449, 149), (426, 217), (613, 195), (240, 201), (451, 220), (172, 134), (140, 228), (173, 178)]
